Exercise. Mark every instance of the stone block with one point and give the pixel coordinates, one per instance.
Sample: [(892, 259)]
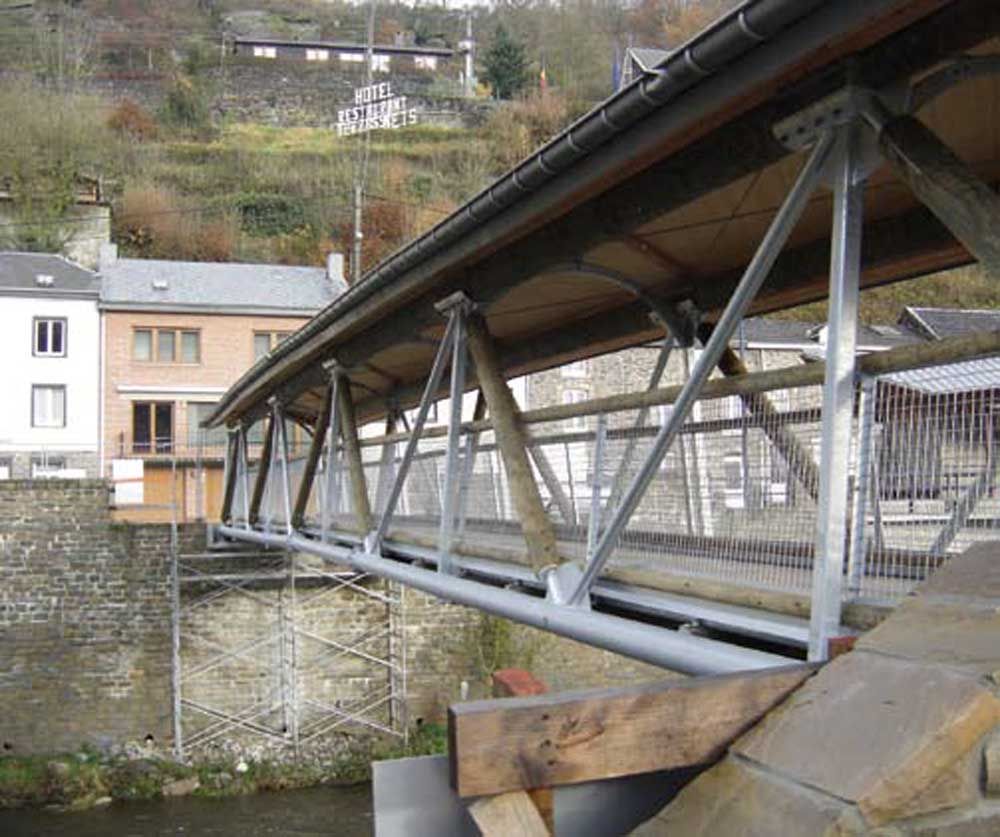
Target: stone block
[(877, 731), (181, 787), (959, 634), (735, 799), (973, 574), (978, 823)]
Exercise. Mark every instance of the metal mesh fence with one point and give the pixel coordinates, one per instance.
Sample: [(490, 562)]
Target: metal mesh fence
[(735, 498)]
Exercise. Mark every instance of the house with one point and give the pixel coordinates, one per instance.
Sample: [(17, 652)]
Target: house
[(346, 56), (176, 335), (50, 337)]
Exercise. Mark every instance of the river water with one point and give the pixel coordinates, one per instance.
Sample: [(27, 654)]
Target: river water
[(345, 812)]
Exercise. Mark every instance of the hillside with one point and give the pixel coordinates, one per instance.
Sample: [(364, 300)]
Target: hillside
[(206, 155)]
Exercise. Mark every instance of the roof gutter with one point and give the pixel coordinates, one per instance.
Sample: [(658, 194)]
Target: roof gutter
[(730, 38)]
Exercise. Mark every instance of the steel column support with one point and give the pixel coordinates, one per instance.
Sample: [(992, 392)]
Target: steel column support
[(244, 467), (331, 495), (469, 463), (753, 278), (539, 533), (459, 309), (352, 454), (312, 460), (433, 382), (594, 522), (621, 475), (863, 485), (387, 464), (286, 482), (838, 392), (262, 472)]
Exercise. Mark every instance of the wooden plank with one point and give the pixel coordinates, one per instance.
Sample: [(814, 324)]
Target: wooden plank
[(507, 815), (522, 743)]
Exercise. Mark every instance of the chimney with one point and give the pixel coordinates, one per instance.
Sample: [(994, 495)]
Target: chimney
[(107, 255), (335, 268)]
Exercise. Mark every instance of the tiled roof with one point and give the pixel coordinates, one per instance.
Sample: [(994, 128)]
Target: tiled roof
[(154, 283), (774, 332), (21, 272)]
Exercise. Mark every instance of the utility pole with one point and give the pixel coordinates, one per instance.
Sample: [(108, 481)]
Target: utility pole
[(361, 163), (469, 46)]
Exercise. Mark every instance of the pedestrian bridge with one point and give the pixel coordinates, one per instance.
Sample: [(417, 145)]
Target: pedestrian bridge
[(794, 151)]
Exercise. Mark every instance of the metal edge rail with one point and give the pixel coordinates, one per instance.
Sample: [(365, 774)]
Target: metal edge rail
[(661, 647)]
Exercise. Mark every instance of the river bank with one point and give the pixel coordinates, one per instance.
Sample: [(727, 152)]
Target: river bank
[(344, 811), (91, 777)]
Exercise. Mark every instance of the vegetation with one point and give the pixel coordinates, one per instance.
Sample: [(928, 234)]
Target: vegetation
[(505, 65), (86, 777)]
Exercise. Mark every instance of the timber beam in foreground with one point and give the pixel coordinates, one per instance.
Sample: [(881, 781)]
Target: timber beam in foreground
[(514, 744)]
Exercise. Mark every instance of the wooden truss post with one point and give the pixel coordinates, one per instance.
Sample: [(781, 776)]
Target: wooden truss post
[(312, 461), (263, 469), (352, 452), (539, 533), (945, 184)]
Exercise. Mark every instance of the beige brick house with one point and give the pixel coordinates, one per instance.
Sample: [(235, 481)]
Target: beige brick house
[(176, 335)]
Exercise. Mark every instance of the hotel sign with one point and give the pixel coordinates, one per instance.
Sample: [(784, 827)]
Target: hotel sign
[(375, 108)]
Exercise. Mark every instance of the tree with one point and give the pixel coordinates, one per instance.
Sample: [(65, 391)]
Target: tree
[(506, 65)]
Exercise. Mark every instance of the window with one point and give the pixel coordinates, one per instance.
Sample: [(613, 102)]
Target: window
[(575, 396), (425, 62), (50, 337), (171, 345), (576, 369), (6, 467), (198, 436), (45, 466), (264, 341), (48, 405), (380, 63), (317, 55), (352, 57), (152, 427), (265, 52)]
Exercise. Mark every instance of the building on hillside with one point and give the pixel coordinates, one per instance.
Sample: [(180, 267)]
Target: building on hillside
[(80, 233), (50, 335), (385, 57), (637, 61), (176, 336)]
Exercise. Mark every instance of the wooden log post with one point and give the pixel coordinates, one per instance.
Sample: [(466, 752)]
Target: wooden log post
[(797, 457), (536, 525), (352, 453), (312, 460), (263, 470), (232, 476), (946, 185)]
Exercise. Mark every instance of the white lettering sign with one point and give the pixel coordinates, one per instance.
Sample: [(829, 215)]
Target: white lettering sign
[(375, 108)]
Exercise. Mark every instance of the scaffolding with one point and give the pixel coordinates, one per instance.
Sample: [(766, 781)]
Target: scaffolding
[(275, 652)]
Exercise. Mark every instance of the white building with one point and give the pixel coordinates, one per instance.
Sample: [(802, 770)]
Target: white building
[(50, 339)]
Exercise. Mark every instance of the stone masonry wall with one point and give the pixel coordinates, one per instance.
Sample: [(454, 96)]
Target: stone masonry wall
[(85, 632), (84, 620)]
